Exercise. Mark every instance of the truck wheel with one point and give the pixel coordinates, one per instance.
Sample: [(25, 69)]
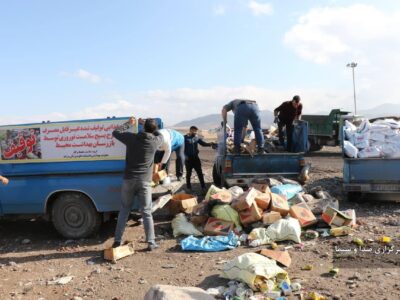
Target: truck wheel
[(74, 216), (216, 176), (314, 146)]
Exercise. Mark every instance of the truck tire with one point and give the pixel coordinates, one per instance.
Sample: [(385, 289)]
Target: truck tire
[(353, 196), (74, 216), (314, 146), (216, 176)]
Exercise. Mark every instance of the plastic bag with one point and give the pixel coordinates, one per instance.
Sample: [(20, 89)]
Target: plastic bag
[(350, 150), (364, 126), (236, 191), (210, 243), (250, 266), (370, 152), (181, 226), (361, 140), (377, 136), (227, 213), (391, 150), (281, 230), (389, 122), (287, 190), (211, 191)]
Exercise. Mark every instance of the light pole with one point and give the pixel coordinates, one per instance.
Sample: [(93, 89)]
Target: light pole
[(352, 65)]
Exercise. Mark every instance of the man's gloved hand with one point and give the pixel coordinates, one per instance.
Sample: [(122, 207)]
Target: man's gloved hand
[(276, 120), (214, 145), (163, 166)]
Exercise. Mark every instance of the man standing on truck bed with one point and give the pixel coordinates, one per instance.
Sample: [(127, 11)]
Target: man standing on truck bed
[(285, 114), (244, 111), (192, 159), (172, 141), (140, 150)]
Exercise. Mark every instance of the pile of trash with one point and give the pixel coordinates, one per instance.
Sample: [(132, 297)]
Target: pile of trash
[(270, 211), (380, 139), (249, 144)]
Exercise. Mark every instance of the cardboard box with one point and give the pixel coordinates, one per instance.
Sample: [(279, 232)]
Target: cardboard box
[(114, 254), (352, 214), (159, 176), (263, 200), (182, 203), (224, 196), (216, 226), (261, 187), (334, 217), (251, 215), (245, 200), (279, 204), (303, 213), (271, 217), (282, 257)]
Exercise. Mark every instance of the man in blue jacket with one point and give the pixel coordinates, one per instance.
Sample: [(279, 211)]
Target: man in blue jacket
[(192, 159)]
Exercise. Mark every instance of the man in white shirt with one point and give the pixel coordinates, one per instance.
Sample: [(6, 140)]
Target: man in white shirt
[(173, 142)]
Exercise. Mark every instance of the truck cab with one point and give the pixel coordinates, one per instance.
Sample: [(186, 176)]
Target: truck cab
[(70, 172)]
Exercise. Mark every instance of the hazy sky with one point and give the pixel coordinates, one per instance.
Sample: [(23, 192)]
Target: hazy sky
[(180, 59)]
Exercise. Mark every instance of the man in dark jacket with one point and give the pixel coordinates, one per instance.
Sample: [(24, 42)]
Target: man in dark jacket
[(140, 150), (285, 115), (192, 159)]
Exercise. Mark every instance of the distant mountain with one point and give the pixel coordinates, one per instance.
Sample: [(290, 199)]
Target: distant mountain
[(214, 120), (383, 110)]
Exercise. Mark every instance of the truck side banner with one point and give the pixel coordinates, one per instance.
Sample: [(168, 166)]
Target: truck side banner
[(88, 140)]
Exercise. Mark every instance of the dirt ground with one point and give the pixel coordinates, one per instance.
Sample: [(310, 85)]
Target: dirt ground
[(27, 266)]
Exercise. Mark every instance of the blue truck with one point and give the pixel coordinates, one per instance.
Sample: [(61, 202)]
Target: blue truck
[(70, 172), (369, 176), (242, 170)]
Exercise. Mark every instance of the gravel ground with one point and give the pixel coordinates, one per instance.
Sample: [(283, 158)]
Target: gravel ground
[(32, 254)]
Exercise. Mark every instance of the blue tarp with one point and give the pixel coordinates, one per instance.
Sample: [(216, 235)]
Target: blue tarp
[(210, 243)]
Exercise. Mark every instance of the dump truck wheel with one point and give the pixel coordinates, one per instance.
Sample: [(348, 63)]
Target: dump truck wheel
[(74, 216)]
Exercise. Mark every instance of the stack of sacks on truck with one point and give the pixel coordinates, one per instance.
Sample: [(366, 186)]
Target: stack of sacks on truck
[(380, 139)]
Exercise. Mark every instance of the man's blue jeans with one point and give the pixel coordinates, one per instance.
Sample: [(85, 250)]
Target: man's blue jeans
[(138, 190), (244, 113)]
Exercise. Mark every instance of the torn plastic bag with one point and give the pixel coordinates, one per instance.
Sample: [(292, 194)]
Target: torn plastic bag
[(281, 230), (370, 152), (227, 213), (210, 243), (181, 226), (249, 267), (287, 190), (236, 191), (211, 191)]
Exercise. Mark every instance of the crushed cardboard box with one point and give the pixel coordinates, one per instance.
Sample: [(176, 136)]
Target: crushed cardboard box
[(279, 204), (182, 203), (334, 217), (282, 257), (251, 215), (245, 200), (263, 200), (216, 226), (302, 212), (271, 217)]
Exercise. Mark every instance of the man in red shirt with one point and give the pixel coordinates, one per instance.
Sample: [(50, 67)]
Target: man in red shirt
[(285, 115)]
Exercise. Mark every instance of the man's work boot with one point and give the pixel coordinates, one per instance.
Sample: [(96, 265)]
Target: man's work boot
[(261, 151), (116, 244)]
